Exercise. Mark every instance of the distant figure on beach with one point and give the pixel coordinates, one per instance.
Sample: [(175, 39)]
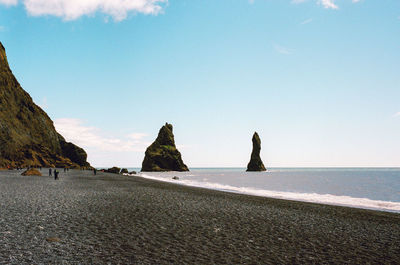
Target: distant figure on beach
[(50, 172), (94, 171), (56, 174)]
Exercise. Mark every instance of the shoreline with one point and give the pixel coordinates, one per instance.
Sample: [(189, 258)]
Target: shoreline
[(258, 197), (131, 220), (378, 205)]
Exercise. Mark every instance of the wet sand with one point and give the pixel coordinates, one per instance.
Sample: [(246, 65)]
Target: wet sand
[(83, 219)]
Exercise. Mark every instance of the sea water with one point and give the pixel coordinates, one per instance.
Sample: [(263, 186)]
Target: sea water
[(370, 188)]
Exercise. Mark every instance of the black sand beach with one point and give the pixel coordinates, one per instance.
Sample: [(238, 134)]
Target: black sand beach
[(112, 219)]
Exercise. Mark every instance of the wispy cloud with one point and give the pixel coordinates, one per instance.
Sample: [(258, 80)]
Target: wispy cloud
[(9, 2), (137, 136), (329, 4), (73, 9), (306, 21), (396, 114), (92, 138), (43, 104), (282, 50)]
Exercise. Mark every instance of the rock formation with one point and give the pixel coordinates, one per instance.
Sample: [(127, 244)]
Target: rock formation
[(113, 170), (255, 163), (162, 155), (31, 172), (27, 134)]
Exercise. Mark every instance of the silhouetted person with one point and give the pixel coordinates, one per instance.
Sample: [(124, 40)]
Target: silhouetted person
[(56, 174), (49, 171), (94, 171)]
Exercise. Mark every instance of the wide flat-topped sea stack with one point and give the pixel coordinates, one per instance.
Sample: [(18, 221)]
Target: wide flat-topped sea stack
[(27, 134), (256, 163), (162, 155)]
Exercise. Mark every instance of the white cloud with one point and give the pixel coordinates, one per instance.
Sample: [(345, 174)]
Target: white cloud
[(91, 138), (73, 9), (306, 21), (282, 50), (137, 136), (328, 4), (9, 2), (396, 114)]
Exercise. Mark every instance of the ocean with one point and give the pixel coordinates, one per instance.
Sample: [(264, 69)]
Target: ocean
[(369, 188)]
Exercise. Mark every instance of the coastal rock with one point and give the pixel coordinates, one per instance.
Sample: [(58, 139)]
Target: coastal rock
[(175, 178), (31, 172), (27, 134), (124, 171), (256, 163), (113, 170), (162, 154), (132, 173)]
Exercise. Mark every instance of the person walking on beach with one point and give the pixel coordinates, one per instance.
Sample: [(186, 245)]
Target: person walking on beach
[(56, 174), (94, 171), (50, 172)]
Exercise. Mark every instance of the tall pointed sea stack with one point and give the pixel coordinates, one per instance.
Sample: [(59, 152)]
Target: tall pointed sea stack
[(256, 163), (27, 134), (162, 155)]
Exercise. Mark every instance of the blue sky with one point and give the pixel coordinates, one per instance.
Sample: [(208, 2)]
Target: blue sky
[(318, 80)]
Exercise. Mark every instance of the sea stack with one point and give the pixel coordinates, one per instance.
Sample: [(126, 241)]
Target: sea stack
[(27, 134), (256, 163), (162, 155)]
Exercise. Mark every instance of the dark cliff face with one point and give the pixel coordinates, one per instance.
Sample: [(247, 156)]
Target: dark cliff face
[(162, 155), (256, 163), (75, 153), (27, 134)]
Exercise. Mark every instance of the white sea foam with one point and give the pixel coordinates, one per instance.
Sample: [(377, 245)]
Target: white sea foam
[(306, 197)]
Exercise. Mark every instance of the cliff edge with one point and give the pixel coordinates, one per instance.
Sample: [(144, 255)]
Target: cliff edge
[(27, 134)]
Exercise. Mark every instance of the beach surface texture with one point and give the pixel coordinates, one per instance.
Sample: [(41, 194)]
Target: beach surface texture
[(114, 219)]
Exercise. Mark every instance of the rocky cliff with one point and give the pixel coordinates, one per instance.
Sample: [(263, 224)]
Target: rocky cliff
[(27, 134), (256, 163), (162, 155)]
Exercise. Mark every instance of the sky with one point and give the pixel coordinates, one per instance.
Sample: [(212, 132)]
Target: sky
[(319, 80)]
